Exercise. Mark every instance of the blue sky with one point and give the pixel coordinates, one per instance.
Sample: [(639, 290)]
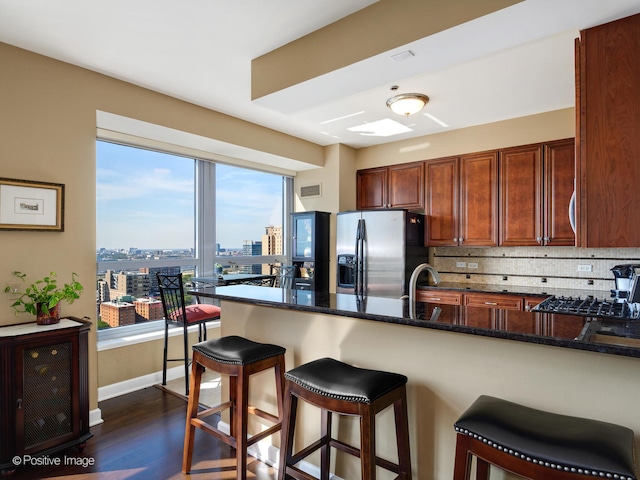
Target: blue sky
[(145, 200)]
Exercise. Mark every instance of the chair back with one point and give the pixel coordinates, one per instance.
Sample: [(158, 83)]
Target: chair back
[(284, 275), (172, 296)]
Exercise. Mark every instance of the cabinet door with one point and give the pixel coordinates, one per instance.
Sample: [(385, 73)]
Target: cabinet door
[(303, 237), (559, 174), (371, 188), (479, 317), (406, 186), (441, 202), (479, 199), (521, 322), (563, 326), (521, 196), (47, 410), (608, 98)]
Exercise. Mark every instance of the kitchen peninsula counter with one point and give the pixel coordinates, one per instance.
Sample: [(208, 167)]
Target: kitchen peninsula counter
[(617, 337)]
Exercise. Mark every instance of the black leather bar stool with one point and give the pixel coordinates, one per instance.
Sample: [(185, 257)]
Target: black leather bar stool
[(239, 358), (539, 445), (336, 387)]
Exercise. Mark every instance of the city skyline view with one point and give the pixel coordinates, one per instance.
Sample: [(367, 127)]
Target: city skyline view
[(145, 199)]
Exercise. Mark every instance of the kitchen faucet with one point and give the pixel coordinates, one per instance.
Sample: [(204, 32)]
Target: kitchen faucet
[(413, 281)]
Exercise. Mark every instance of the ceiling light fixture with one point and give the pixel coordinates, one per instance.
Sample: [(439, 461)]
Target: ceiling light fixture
[(407, 103)]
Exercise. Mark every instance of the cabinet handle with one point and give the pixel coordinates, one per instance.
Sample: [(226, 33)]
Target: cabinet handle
[(455, 240), (547, 239), (460, 240), (19, 402), (491, 303), (435, 298), (539, 240)]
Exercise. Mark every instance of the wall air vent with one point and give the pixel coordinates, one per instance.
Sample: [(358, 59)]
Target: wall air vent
[(307, 191)]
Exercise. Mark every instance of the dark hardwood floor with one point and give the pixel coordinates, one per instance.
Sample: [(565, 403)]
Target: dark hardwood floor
[(141, 439)]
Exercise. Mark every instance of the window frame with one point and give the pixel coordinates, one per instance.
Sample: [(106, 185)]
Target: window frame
[(205, 257)]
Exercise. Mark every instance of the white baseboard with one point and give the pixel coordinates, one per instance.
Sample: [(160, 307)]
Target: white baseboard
[(95, 417), (138, 383)]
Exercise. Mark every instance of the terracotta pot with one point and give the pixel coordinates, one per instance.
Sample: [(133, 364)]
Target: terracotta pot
[(50, 317)]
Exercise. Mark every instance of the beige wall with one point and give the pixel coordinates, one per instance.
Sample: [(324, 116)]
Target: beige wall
[(447, 372), (519, 131)]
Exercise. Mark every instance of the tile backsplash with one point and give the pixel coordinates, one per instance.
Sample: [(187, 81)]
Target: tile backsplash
[(551, 267)]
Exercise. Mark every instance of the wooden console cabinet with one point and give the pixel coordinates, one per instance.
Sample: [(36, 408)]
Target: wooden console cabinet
[(44, 382)]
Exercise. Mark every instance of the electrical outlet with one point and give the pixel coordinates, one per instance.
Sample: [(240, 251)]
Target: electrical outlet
[(472, 265), (585, 268), (461, 264)]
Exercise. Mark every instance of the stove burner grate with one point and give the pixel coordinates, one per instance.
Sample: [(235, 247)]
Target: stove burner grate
[(589, 306)]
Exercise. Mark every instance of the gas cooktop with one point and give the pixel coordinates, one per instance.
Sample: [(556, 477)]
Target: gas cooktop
[(588, 307)]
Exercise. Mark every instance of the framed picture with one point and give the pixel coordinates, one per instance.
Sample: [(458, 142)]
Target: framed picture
[(27, 205)]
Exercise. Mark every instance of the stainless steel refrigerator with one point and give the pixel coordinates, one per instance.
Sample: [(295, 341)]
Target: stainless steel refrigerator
[(377, 250)]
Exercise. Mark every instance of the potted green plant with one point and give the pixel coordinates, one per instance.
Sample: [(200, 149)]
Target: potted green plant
[(42, 298)]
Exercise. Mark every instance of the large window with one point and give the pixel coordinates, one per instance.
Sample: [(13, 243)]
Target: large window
[(159, 212)]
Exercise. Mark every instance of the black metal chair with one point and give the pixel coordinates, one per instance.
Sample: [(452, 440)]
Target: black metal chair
[(177, 313), (284, 276)]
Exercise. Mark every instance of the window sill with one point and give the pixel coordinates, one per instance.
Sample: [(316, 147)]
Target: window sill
[(126, 340)]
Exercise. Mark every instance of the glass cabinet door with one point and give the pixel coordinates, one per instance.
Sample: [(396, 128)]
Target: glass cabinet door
[(303, 236)]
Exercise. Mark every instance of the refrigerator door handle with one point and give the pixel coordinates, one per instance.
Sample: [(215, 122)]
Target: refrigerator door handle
[(358, 279), (362, 261)]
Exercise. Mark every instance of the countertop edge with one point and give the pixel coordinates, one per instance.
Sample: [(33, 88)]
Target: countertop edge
[(463, 329)]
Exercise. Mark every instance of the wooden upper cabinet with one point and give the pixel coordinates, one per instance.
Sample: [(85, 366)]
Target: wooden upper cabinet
[(521, 196), (406, 186), (536, 183), (479, 199), (559, 184), (461, 200), (441, 202), (396, 186), (371, 188), (608, 111)]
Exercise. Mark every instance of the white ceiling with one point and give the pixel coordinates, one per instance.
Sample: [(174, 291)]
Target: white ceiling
[(515, 62)]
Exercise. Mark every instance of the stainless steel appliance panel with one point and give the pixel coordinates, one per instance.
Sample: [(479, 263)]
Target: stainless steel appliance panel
[(377, 251)]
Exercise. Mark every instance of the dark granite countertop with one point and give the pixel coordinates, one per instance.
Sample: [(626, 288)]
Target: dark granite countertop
[(516, 290), (617, 337)]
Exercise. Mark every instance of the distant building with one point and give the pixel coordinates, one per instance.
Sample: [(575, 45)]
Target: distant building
[(136, 284), (148, 309), (118, 314), (251, 248), (271, 245), (272, 241)]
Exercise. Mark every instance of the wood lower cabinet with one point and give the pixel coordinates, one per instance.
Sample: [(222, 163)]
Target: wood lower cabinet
[(44, 377), (608, 122), (445, 297), (493, 300), (397, 186), (536, 184)]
